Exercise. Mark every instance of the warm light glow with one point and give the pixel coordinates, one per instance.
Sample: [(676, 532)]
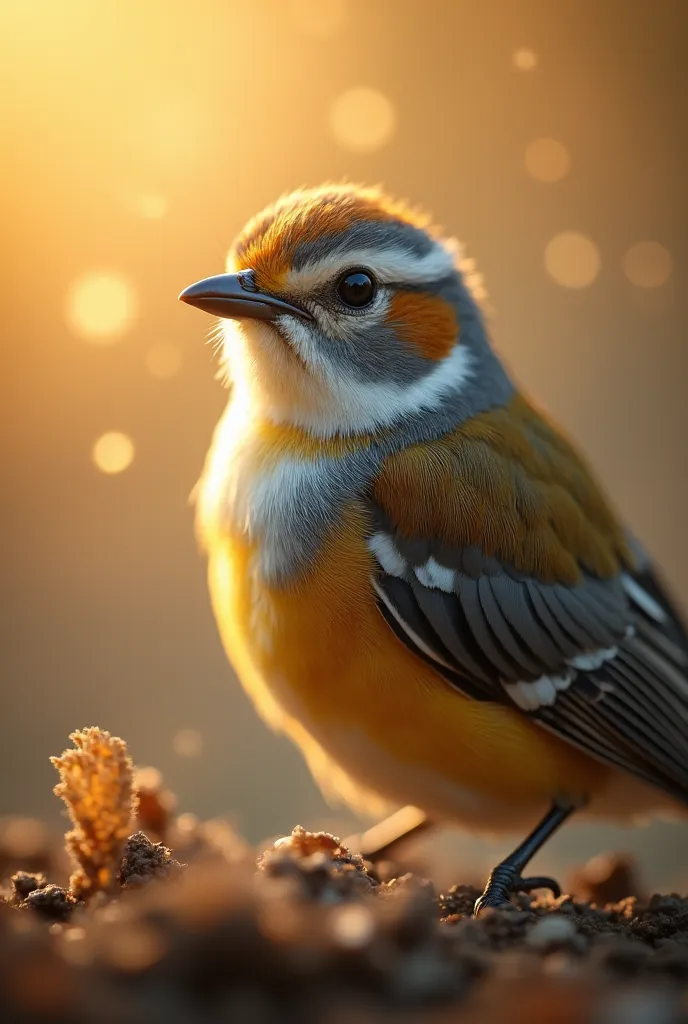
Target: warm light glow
[(148, 778), (525, 60), (648, 264), (172, 132), (101, 306), (352, 926), (152, 206), (133, 947), (572, 260), (164, 360), (73, 947), (186, 823), (547, 160), (113, 452), (320, 18), (188, 743), (362, 120), (23, 837)]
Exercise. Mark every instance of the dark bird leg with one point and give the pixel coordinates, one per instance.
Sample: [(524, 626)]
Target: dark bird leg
[(379, 840), (506, 878)]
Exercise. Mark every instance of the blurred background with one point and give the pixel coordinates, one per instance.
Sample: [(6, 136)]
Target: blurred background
[(139, 136)]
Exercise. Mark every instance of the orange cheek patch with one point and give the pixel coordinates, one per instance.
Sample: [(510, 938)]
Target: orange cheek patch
[(425, 321)]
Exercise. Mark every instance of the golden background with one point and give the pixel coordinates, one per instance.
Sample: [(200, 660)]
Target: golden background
[(139, 136)]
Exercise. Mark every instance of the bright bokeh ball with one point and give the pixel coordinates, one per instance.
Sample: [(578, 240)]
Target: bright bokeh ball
[(152, 206), (572, 260), (362, 120), (188, 743), (525, 59), (101, 306), (648, 265), (113, 452)]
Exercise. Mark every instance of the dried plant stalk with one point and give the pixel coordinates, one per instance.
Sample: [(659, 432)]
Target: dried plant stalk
[(96, 784)]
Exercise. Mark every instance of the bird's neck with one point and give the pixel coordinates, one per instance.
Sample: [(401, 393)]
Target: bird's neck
[(278, 489), (281, 486)]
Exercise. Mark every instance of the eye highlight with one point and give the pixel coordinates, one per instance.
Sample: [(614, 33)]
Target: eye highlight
[(356, 288)]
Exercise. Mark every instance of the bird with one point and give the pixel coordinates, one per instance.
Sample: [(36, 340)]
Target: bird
[(415, 574)]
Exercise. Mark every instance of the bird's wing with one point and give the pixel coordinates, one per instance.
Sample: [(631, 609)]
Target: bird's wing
[(500, 563)]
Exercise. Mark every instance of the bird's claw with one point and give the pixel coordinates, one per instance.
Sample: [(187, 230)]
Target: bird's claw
[(504, 882)]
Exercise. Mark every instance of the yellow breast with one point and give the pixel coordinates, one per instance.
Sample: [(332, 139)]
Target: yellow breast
[(322, 665)]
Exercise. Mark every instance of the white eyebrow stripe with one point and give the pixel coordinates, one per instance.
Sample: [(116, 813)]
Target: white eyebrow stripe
[(389, 264)]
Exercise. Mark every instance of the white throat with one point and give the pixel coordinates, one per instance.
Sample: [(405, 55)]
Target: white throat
[(276, 385)]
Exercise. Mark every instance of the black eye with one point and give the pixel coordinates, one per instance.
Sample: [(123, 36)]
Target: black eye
[(356, 288)]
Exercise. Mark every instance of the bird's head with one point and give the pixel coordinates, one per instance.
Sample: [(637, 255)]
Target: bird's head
[(344, 311)]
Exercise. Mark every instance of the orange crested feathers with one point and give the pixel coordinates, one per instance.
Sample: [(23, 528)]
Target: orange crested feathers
[(510, 484), (267, 243)]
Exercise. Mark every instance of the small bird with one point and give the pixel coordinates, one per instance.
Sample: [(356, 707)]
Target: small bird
[(415, 575)]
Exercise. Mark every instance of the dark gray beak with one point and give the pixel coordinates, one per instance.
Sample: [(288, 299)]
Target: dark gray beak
[(236, 297)]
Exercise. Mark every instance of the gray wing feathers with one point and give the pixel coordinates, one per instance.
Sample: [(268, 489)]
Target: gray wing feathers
[(444, 617), (514, 601), (662, 643), (545, 615), (484, 637), (559, 604), (615, 650), (494, 614)]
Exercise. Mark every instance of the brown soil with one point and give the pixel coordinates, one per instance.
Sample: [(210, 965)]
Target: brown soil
[(195, 928)]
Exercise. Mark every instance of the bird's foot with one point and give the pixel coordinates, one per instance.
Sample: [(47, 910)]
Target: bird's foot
[(504, 882)]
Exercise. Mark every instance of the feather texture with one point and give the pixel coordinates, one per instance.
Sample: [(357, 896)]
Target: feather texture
[(547, 609), (505, 483)]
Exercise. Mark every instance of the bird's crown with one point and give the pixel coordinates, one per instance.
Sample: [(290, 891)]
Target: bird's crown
[(353, 310), (303, 226)]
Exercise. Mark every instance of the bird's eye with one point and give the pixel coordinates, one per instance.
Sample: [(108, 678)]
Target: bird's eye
[(356, 288)]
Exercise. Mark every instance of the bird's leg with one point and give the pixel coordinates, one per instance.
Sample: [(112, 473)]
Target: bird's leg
[(506, 878), (379, 840)]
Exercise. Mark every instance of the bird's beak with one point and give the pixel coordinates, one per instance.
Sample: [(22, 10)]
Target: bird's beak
[(236, 297)]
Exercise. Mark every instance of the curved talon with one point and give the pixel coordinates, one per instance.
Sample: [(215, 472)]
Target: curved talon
[(538, 882), (504, 882), (506, 878), (489, 901)]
